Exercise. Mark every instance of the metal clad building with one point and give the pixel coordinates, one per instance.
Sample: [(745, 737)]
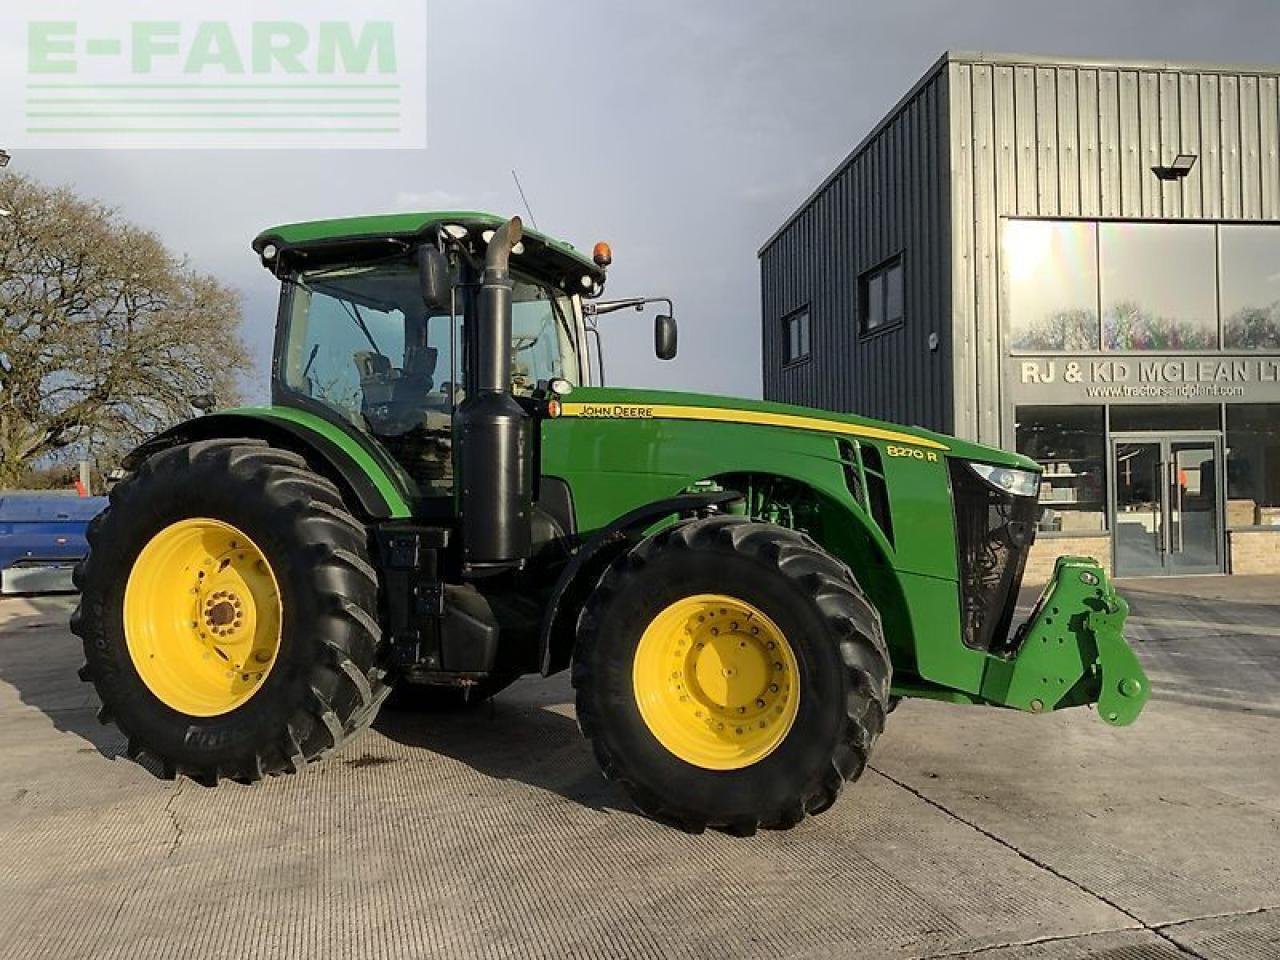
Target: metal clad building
[(1020, 254), (889, 195)]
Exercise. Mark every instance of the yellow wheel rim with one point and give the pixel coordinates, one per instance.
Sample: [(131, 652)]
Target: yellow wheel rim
[(202, 617), (716, 682)]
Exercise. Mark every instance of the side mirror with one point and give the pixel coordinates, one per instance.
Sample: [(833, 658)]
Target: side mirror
[(433, 277), (664, 336)]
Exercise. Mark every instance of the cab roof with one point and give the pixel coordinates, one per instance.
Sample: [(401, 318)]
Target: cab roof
[(349, 231)]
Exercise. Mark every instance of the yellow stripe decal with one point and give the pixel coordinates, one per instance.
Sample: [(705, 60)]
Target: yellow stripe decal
[(663, 411)]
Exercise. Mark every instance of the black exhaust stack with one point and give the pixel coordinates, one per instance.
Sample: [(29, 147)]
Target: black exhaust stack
[(493, 435)]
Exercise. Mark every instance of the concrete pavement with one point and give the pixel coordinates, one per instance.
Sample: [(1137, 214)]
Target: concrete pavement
[(976, 832)]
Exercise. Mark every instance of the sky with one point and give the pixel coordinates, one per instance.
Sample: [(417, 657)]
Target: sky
[(682, 131)]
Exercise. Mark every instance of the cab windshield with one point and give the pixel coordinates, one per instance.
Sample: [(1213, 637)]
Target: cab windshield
[(361, 341)]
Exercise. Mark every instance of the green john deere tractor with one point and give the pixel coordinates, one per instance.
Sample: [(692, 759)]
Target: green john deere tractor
[(437, 502)]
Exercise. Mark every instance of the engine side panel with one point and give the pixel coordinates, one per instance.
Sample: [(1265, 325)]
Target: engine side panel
[(617, 453)]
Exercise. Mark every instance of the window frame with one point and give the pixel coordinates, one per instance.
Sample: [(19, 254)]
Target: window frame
[(788, 320), (881, 271)]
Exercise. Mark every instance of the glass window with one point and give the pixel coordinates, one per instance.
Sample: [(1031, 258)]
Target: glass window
[(1051, 270), (541, 337), (1159, 286), (347, 337), (1253, 465), (883, 296), (1068, 442), (795, 330), (1250, 258), (1165, 417), (893, 294), (875, 301)]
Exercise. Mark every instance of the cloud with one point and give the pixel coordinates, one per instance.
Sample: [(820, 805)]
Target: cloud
[(414, 201)]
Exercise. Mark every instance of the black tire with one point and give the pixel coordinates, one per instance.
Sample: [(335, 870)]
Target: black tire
[(324, 686), (844, 673), (431, 698)]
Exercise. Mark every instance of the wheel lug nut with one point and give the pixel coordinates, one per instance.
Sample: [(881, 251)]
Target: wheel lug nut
[(759, 702), (773, 688)]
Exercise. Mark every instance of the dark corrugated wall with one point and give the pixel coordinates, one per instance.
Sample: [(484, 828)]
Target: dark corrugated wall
[(890, 196)]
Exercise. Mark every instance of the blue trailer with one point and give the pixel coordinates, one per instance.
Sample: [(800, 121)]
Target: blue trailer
[(42, 539)]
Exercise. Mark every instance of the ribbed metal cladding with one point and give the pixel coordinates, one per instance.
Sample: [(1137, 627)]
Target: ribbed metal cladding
[(1034, 138), (887, 198), (979, 138)]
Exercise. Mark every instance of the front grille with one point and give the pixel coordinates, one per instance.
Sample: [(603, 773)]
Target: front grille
[(993, 534)]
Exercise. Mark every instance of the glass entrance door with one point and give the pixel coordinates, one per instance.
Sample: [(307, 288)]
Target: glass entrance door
[(1167, 505)]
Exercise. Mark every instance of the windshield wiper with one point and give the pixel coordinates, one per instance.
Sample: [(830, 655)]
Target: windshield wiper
[(354, 313)]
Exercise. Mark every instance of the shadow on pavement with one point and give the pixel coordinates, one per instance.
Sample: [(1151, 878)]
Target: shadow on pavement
[(515, 736), (39, 660)]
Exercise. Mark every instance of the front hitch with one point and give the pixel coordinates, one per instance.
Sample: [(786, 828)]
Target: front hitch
[(1072, 651)]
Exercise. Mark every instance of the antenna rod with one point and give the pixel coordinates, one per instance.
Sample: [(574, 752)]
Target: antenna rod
[(524, 200)]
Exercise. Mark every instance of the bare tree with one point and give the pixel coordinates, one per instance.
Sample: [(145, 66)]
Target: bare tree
[(105, 336)]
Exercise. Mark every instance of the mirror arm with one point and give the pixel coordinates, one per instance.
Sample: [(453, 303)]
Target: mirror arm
[(601, 307), (593, 331)]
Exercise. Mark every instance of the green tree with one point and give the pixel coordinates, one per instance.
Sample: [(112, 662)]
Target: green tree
[(105, 335), (1127, 325), (1253, 328), (1070, 330)]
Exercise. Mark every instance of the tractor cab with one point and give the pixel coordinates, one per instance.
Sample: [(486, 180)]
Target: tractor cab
[(375, 315)]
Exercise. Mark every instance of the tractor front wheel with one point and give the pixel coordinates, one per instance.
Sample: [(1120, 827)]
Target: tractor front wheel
[(730, 674), (229, 612)]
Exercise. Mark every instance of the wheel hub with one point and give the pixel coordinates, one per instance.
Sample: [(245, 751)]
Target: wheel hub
[(202, 617), (715, 681)]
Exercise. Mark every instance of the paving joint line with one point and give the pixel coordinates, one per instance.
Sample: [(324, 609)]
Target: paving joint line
[(178, 832), (141, 881), (1033, 942), (1035, 861), (1253, 912)]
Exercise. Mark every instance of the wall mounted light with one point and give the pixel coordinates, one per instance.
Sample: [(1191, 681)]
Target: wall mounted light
[(1180, 167)]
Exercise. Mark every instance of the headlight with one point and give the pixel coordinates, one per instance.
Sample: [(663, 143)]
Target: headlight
[(1020, 483)]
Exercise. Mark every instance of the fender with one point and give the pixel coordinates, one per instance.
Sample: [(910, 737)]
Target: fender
[(579, 577), (379, 487)]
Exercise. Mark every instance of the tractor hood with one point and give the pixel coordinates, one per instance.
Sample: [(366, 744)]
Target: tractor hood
[(621, 403)]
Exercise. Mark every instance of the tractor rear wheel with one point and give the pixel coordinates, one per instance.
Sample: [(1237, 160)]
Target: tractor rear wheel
[(229, 612), (730, 674)]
